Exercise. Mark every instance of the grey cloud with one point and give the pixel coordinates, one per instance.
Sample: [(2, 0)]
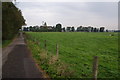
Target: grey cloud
[(71, 13)]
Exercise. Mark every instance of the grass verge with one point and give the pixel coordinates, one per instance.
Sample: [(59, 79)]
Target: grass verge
[(5, 43), (49, 62)]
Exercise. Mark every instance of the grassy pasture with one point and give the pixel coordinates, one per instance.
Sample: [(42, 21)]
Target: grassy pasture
[(76, 51)]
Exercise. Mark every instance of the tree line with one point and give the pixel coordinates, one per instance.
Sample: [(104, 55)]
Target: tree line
[(12, 20), (58, 28)]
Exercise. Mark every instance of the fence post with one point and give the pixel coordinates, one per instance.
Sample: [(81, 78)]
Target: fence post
[(38, 42), (95, 67), (57, 50), (45, 45)]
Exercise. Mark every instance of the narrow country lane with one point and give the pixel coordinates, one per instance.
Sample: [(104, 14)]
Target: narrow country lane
[(18, 62)]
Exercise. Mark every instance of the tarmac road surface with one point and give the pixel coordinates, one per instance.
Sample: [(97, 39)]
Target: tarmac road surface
[(18, 62)]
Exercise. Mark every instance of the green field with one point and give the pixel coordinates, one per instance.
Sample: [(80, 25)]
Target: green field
[(76, 52)]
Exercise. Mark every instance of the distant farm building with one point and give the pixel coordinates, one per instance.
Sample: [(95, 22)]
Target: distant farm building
[(44, 26)]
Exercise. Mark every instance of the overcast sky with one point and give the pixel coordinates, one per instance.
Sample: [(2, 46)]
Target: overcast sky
[(75, 14)]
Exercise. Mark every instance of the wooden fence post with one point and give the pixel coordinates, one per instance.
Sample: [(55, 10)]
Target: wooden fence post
[(38, 42), (57, 50), (95, 67), (45, 45)]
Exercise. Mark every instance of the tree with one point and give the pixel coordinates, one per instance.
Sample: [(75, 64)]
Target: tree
[(92, 29), (107, 30), (85, 29), (72, 29), (45, 24), (59, 27), (53, 29), (30, 28), (12, 20), (95, 29), (79, 28), (68, 29), (25, 29), (63, 29), (102, 29)]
